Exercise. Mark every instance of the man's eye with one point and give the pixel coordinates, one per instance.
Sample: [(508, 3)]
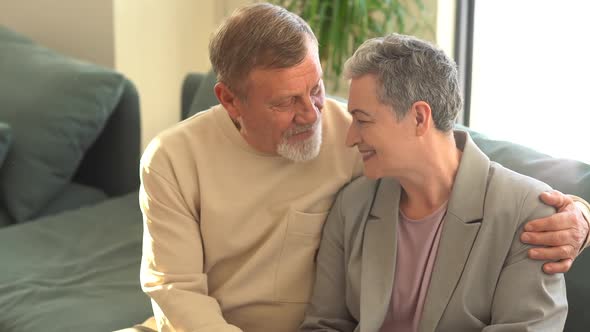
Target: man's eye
[(285, 103), (318, 89)]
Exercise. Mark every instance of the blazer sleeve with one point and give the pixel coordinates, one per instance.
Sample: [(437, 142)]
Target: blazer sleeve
[(172, 260), (527, 299), (327, 311)]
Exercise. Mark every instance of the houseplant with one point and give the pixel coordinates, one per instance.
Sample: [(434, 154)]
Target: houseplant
[(342, 25)]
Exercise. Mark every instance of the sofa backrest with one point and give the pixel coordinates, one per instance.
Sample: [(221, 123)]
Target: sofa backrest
[(197, 93)]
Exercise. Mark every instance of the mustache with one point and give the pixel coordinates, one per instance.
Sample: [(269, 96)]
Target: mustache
[(301, 128)]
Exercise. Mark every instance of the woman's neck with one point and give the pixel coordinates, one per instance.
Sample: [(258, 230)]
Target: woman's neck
[(430, 184)]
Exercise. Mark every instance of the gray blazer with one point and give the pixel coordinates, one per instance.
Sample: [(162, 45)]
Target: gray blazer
[(482, 279)]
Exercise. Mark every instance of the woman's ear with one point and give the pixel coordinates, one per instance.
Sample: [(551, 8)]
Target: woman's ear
[(229, 100), (423, 117)]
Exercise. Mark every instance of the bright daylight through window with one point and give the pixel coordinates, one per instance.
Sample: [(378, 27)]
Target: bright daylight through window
[(531, 72)]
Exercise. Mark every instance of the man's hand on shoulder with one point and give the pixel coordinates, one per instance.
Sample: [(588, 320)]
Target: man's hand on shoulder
[(564, 233)]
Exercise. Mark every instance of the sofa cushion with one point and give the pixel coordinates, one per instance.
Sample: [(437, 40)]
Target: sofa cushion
[(57, 107), (75, 271), (5, 218), (73, 196), (7, 35), (5, 140)]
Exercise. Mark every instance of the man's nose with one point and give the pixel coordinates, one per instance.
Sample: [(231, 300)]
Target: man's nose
[(307, 113)]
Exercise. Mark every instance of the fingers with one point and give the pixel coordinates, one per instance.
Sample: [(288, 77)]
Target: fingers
[(571, 237), (561, 234), (556, 222), (557, 267), (561, 258), (553, 253), (556, 199)]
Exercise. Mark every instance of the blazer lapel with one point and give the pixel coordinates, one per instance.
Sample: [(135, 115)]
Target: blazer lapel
[(460, 227), (378, 256), (455, 244)]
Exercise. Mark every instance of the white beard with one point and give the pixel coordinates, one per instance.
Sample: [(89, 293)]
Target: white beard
[(302, 150)]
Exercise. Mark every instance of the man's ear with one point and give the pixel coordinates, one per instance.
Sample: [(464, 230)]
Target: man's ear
[(423, 117), (228, 99)]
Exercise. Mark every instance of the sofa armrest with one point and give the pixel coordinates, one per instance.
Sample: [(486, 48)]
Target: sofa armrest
[(112, 162)]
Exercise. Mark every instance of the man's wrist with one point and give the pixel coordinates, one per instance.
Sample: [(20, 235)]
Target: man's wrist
[(585, 209)]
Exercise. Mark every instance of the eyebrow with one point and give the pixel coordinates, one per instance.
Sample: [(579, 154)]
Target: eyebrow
[(290, 94), (356, 110)]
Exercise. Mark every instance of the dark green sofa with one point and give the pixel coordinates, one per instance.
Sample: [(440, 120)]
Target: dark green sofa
[(74, 131), (70, 224)]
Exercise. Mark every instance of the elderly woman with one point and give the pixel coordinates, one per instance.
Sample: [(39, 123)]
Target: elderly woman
[(428, 239)]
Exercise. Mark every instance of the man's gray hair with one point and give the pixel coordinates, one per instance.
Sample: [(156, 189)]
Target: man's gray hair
[(410, 70), (258, 36)]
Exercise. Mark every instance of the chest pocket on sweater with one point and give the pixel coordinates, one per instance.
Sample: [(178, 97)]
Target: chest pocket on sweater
[(296, 267)]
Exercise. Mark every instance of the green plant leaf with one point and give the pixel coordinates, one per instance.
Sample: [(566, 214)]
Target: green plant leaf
[(323, 35), (342, 25)]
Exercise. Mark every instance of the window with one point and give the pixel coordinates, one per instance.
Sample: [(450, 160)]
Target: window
[(530, 79)]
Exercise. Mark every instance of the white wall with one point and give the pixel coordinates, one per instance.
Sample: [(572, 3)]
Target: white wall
[(224, 8), (445, 25), (82, 29), (153, 42), (156, 43)]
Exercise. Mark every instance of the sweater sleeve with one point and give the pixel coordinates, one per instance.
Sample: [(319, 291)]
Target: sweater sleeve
[(585, 209), (172, 260)]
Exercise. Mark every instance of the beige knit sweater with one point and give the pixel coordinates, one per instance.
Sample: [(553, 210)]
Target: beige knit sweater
[(230, 234)]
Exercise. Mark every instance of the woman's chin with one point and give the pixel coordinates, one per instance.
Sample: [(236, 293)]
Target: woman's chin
[(372, 174)]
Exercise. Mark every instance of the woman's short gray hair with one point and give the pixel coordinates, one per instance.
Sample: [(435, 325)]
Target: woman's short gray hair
[(410, 70), (258, 36)]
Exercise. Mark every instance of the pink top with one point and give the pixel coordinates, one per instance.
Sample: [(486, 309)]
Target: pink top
[(417, 245)]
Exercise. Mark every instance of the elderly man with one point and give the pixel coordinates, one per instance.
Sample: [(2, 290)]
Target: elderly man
[(234, 198)]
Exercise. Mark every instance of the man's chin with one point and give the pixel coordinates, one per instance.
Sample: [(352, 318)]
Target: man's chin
[(301, 151), (299, 155), (302, 147)]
